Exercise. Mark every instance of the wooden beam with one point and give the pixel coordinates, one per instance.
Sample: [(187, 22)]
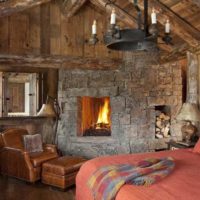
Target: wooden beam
[(71, 7), (178, 53), (121, 15), (57, 62), (10, 7), (180, 27), (196, 2)]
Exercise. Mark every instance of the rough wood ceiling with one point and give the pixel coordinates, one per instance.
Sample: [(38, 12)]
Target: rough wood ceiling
[(183, 14)]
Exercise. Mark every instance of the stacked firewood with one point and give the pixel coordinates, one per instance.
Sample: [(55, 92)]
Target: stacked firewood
[(162, 125)]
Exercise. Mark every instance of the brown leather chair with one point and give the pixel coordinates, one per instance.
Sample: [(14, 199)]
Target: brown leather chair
[(16, 162)]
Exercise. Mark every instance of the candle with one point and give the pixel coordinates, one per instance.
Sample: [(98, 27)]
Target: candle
[(167, 27), (113, 17), (153, 16), (94, 27)]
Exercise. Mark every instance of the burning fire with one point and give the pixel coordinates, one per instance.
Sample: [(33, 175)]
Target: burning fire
[(103, 117)]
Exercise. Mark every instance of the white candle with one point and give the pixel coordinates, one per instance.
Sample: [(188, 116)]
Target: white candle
[(113, 17), (94, 27), (153, 17), (167, 27)]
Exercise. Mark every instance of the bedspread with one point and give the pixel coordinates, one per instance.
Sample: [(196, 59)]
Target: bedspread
[(183, 184)]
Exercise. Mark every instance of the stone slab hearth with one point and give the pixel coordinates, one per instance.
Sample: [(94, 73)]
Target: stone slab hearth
[(134, 89)]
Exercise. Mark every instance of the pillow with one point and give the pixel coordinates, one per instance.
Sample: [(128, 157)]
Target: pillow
[(197, 147), (33, 143)]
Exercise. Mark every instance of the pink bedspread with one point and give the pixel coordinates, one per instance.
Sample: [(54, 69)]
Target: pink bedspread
[(182, 184)]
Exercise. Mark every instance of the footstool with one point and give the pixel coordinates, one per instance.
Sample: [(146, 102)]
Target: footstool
[(61, 172)]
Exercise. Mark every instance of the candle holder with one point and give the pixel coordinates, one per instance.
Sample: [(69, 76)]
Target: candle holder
[(93, 39), (153, 30), (167, 38), (113, 32)]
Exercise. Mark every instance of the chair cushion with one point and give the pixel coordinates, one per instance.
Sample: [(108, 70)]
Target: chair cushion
[(37, 158), (33, 143)]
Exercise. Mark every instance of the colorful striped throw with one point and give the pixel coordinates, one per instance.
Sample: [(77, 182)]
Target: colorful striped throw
[(107, 180)]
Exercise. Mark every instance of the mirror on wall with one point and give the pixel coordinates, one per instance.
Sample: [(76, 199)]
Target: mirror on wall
[(19, 94)]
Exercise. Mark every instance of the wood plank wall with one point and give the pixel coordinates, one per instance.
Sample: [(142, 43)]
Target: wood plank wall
[(44, 30)]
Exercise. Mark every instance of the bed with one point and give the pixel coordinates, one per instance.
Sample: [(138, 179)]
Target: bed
[(182, 184)]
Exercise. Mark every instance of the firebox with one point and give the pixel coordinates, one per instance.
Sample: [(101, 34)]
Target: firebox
[(94, 116)]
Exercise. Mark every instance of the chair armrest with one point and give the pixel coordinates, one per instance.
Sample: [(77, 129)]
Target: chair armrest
[(50, 147), (18, 155), (14, 150)]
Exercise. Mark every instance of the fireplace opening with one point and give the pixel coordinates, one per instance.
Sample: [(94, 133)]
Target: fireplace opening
[(94, 116)]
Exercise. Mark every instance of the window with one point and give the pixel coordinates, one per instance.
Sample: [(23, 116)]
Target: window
[(19, 94)]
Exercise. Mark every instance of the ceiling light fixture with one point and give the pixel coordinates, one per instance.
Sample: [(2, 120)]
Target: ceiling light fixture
[(142, 38)]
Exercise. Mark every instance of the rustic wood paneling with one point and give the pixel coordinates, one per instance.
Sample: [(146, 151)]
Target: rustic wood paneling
[(1, 93), (55, 29), (10, 7), (34, 33), (4, 32), (45, 30), (18, 35)]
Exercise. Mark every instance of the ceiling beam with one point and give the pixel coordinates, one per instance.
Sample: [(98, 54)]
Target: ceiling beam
[(180, 27), (196, 2), (121, 15), (58, 62), (70, 8), (10, 7)]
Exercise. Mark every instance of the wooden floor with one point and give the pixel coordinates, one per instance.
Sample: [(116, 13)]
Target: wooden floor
[(13, 189)]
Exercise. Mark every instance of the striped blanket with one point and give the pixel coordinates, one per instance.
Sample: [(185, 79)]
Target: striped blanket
[(107, 180)]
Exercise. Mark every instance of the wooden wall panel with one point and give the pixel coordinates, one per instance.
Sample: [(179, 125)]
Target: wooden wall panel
[(89, 14), (34, 33), (45, 30), (55, 22), (18, 33), (4, 40), (1, 94)]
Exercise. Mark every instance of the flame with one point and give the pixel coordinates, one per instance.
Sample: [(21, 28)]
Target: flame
[(103, 116)]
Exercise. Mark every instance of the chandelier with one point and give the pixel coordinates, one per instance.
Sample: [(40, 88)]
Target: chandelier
[(142, 38)]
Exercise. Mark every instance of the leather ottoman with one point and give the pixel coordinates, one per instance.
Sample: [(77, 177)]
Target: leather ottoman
[(61, 172)]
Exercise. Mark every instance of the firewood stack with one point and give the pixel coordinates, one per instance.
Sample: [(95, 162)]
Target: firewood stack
[(162, 125)]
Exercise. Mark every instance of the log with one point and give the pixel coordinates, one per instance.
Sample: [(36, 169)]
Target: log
[(59, 62), (159, 124), (70, 8), (166, 132), (10, 7), (159, 136)]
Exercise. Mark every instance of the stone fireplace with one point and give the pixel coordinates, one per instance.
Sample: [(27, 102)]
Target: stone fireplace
[(134, 91)]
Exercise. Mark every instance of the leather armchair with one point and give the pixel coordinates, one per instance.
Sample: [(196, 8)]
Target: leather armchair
[(16, 162)]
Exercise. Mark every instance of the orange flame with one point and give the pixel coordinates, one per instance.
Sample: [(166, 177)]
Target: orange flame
[(103, 116)]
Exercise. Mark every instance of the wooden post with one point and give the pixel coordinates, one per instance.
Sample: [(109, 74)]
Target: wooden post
[(192, 78), (52, 80), (33, 94), (1, 94)]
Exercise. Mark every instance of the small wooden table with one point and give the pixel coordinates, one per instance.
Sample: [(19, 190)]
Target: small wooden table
[(61, 172)]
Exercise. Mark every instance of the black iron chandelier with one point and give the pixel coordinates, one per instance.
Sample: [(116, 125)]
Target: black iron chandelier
[(142, 38)]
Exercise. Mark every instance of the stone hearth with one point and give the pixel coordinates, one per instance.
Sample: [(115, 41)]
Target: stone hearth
[(135, 89)]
